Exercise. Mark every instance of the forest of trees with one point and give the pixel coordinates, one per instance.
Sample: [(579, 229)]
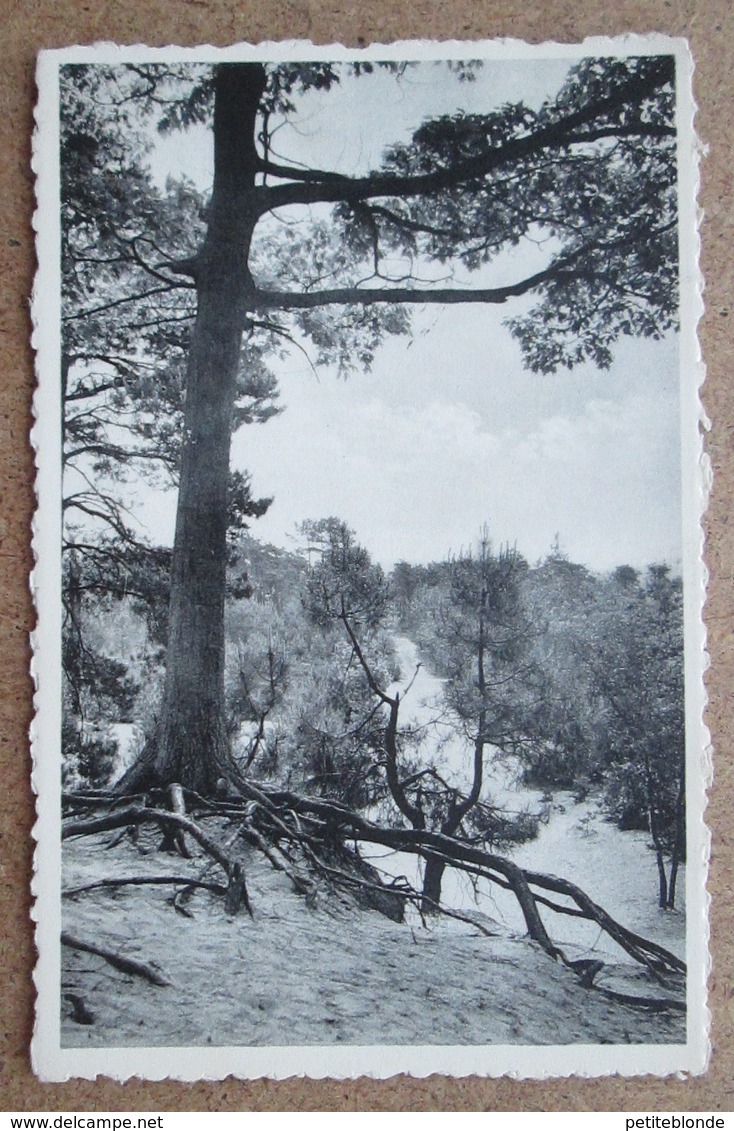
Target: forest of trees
[(248, 671), (573, 679)]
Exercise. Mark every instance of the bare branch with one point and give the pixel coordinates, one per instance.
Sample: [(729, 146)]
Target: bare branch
[(126, 965), (124, 881)]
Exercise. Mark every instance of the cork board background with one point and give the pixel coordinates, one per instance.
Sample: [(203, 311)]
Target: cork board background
[(25, 27)]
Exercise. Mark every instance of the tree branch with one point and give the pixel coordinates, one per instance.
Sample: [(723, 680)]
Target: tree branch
[(305, 300), (172, 286), (565, 267), (558, 135), (126, 965)]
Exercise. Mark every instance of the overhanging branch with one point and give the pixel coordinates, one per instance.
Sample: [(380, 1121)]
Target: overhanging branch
[(567, 266), (568, 131), (346, 296)]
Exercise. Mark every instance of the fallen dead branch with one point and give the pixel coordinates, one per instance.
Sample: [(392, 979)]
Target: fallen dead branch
[(126, 965)]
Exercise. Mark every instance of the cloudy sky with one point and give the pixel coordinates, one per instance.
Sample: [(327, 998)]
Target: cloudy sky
[(448, 432)]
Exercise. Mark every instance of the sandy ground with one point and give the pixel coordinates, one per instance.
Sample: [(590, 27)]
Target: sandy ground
[(330, 974)]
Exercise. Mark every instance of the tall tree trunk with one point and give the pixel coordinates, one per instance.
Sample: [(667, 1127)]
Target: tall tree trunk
[(662, 879), (679, 843), (432, 881), (434, 870), (72, 647), (652, 816), (192, 745), (659, 858)]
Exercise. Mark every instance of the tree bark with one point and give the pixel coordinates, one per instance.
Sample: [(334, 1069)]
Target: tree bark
[(192, 745), (680, 839), (656, 839), (432, 880)]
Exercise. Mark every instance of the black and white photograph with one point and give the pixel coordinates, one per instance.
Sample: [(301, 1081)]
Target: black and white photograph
[(369, 659)]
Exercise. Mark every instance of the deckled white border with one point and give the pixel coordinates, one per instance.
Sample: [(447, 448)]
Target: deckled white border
[(50, 1061)]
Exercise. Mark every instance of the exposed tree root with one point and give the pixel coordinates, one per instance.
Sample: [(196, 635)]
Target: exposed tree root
[(138, 816), (173, 839), (337, 820), (654, 1004), (123, 881), (78, 1011), (306, 839), (236, 891), (301, 884)]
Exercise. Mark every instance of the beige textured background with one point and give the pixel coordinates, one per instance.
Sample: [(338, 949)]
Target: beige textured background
[(25, 27)]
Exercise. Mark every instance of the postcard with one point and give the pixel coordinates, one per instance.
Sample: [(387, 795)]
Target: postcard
[(369, 658)]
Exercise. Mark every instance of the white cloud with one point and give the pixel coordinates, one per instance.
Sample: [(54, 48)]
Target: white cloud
[(418, 481)]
